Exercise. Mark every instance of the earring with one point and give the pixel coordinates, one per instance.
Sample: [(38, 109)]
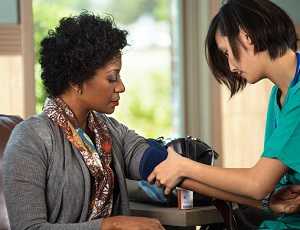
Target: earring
[(79, 91)]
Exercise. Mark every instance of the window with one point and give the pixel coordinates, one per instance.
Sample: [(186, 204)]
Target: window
[(146, 106)]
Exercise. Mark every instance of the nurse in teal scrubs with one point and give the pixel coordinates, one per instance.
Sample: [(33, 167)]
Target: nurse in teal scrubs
[(247, 41), (282, 141)]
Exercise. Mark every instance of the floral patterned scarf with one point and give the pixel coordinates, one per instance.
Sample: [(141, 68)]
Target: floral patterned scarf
[(97, 157)]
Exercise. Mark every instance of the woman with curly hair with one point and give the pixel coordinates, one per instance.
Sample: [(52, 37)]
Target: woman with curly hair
[(65, 168), (247, 41)]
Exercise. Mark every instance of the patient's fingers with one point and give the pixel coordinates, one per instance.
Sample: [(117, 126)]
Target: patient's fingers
[(167, 191), (151, 178), (157, 182)]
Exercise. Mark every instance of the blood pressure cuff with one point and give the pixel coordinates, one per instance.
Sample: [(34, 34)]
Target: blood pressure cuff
[(192, 148), (189, 147), (155, 154)]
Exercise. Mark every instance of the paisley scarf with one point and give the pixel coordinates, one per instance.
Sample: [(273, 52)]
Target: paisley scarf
[(96, 155)]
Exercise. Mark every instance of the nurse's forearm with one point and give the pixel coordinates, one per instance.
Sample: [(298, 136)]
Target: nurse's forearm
[(232, 180), (219, 194), (255, 182)]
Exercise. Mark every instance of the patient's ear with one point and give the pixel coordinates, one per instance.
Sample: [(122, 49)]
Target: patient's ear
[(77, 88)]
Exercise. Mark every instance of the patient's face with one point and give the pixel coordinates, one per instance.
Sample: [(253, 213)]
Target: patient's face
[(102, 92)]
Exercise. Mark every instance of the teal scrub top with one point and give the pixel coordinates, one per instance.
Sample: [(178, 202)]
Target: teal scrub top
[(282, 142)]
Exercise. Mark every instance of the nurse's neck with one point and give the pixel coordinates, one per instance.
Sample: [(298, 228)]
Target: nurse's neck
[(281, 71)]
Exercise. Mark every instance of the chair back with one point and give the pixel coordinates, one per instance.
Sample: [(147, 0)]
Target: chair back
[(7, 123)]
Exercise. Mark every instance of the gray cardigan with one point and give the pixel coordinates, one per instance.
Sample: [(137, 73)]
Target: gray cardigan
[(46, 182)]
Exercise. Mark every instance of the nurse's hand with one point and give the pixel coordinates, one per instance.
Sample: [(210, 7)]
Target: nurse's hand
[(130, 222), (168, 173), (286, 200)]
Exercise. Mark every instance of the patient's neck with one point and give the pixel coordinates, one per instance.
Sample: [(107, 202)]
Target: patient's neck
[(79, 110)]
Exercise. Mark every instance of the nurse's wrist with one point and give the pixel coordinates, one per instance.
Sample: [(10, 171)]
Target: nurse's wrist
[(265, 203), (184, 164)]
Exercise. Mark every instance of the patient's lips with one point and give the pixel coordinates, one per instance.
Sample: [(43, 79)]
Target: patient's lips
[(115, 103), (115, 100)]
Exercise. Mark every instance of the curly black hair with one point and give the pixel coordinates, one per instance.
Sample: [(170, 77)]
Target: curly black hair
[(77, 47)]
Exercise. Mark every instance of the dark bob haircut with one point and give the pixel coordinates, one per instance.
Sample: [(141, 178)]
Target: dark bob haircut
[(268, 26), (77, 47)]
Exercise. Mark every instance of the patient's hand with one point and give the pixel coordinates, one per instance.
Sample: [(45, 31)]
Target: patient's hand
[(286, 200), (130, 222)]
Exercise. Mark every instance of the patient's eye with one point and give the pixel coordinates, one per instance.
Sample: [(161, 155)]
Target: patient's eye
[(114, 77)]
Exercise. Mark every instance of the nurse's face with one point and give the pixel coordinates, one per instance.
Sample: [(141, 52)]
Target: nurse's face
[(249, 65)]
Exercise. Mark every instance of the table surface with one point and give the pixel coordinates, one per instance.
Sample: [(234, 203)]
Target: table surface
[(173, 216)]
